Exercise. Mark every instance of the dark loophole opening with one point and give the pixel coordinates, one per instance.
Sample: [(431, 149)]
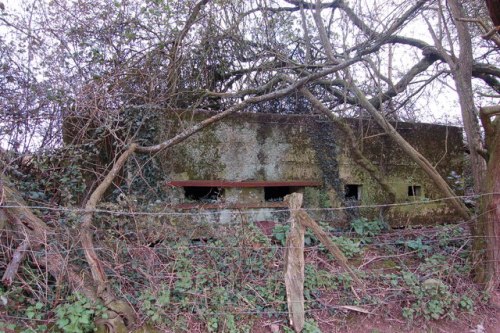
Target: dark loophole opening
[(352, 192), (414, 191), (276, 193), (203, 194)]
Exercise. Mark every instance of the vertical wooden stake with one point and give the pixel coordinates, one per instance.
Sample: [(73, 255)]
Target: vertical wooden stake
[(294, 264)]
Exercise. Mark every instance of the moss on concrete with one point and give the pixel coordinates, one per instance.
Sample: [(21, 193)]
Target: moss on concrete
[(280, 148)]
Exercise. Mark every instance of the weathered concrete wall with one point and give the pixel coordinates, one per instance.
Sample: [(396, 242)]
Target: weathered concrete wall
[(441, 145), (264, 147), (242, 148)]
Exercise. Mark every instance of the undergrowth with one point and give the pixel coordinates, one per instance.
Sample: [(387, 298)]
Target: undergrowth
[(232, 280)]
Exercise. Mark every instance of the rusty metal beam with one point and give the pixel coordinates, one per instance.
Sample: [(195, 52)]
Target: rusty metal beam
[(226, 183)]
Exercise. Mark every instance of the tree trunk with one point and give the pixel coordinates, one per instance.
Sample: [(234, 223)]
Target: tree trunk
[(487, 247), (461, 69), (486, 241), (490, 219)]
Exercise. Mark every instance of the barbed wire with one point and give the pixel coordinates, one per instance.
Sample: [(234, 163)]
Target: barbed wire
[(240, 210)]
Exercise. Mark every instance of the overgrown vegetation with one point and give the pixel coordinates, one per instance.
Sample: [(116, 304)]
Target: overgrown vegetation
[(86, 82), (234, 282), (57, 177)]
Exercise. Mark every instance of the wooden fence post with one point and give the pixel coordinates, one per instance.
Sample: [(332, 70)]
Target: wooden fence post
[(294, 258), (294, 264)]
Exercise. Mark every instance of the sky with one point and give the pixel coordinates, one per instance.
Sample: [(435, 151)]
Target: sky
[(442, 109)]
